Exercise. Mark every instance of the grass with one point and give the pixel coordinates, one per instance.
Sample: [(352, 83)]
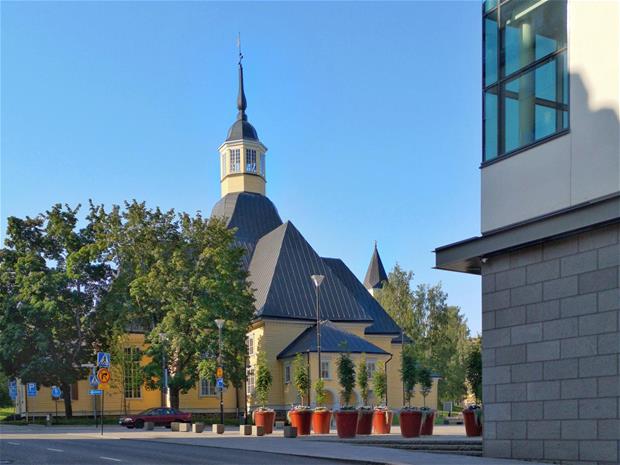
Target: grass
[(6, 411)]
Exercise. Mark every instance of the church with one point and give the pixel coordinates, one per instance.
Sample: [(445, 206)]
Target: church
[(295, 290)]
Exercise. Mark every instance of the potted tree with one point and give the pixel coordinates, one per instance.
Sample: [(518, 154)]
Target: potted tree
[(428, 414), (300, 416), (321, 417), (263, 416), (346, 418), (382, 416), (364, 419), (410, 418), (472, 415)]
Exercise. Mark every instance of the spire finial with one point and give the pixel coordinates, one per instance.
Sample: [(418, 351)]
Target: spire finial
[(241, 101), (375, 243)]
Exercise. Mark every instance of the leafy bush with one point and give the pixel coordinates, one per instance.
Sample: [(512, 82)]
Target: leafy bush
[(408, 372), (426, 382), (301, 379), (474, 369), (346, 377), (263, 379), (362, 378), (379, 382)]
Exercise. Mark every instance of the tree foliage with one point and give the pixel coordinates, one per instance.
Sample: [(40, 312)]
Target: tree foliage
[(379, 382), (263, 379), (300, 377), (408, 372), (346, 377), (425, 380), (474, 368), (362, 378), (320, 393)]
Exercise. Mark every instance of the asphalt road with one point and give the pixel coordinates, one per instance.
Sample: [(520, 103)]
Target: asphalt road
[(134, 452)]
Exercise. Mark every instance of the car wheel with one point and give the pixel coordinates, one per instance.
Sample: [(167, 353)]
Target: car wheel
[(129, 426), (140, 424), (168, 425)]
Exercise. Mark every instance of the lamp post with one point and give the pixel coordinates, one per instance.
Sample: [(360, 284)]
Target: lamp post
[(164, 371), (220, 323), (318, 280)]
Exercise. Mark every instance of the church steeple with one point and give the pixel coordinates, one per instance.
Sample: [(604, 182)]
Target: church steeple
[(375, 275), (242, 155)]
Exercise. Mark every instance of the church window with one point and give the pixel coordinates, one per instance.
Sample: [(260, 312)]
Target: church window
[(251, 345), (235, 160), (223, 165), (287, 373), (132, 380), (207, 387), (325, 369), (250, 160), (262, 164), (250, 381), (371, 366)]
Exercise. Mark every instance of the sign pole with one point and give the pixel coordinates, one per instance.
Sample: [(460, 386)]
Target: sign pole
[(102, 410)]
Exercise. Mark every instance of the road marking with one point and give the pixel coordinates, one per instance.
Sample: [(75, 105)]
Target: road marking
[(110, 458), (13, 443), (55, 450)]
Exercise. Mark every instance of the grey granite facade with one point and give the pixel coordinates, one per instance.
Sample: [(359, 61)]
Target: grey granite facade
[(551, 343)]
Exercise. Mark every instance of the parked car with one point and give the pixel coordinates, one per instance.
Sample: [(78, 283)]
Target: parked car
[(161, 416)]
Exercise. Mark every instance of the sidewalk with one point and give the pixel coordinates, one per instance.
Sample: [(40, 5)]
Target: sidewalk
[(327, 446)]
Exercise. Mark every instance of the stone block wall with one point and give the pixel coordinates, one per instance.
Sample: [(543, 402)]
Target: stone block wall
[(551, 343)]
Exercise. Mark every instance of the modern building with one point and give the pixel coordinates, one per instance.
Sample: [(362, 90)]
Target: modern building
[(291, 300), (549, 250)]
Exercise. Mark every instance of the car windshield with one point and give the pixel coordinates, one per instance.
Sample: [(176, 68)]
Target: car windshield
[(147, 411)]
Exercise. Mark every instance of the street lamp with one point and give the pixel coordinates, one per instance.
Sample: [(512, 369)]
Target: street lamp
[(220, 323), (318, 280), (164, 371)]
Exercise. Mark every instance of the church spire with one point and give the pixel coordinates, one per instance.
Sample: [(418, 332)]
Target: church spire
[(242, 103), (375, 276)]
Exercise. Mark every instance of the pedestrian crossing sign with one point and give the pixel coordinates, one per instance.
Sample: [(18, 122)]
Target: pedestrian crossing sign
[(103, 359)]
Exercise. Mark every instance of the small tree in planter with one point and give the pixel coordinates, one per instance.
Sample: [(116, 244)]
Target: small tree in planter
[(382, 418), (472, 416), (263, 416), (346, 418), (428, 414), (300, 416), (321, 416), (410, 418), (364, 421)]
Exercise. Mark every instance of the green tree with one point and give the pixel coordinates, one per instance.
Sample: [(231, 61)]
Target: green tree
[(301, 379), (319, 391), (408, 372), (379, 382), (52, 279), (263, 379), (474, 368), (362, 378), (426, 382), (346, 377), (176, 275)]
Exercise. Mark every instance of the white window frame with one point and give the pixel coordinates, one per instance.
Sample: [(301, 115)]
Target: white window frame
[(250, 161), (328, 371), (207, 388), (132, 390), (235, 160), (250, 344), (250, 381), (287, 373), (369, 363), (262, 170)]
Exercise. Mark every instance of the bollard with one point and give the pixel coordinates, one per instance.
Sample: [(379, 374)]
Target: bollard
[(279, 425), (198, 427), (218, 428), (290, 432), (174, 426), (149, 426), (258, 430), (48, 420), (245, 430), (185, 427)]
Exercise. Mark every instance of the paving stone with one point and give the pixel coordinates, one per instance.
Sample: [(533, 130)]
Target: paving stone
[(543, 390), (497, 448), (528, 449), (598, 450), (511, 430), (540, 351), (561, 450), (579, 263)]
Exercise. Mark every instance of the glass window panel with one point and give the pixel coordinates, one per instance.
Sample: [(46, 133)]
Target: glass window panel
[(531, 30), (489, 5), (490, 124), (490, 49)]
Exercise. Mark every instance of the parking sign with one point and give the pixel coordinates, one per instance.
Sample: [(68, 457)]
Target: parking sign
[(31, 388)]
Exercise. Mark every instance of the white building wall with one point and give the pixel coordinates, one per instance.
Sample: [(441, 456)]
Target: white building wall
[(584, 164)]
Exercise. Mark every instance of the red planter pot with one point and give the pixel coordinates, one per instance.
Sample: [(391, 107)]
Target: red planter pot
[(301, 419), (320, 421), (364, 422), (382, 421), (427, 425), (265, 419), (471, 427), (410, 423), (346, 423)]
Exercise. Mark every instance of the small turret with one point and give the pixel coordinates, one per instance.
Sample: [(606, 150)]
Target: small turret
[(375, 276)]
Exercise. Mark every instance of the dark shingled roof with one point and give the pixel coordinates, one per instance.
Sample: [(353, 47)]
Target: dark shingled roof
[(333, 339), (280, 271), (241, 130), (375, 276), (382, 322)]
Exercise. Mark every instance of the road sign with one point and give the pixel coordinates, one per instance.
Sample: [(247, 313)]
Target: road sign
[(103, 359), (93, 381), (219, 373), (32, 389), (219, 383), (56, 392), (103, 387), (13, 389), (95, 392), (103, 375)]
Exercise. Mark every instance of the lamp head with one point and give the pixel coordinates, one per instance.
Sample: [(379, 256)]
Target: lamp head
[(220, 323), (317, 279)]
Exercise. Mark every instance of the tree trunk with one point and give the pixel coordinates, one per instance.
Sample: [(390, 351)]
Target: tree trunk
[(66, 394), (174, 396)]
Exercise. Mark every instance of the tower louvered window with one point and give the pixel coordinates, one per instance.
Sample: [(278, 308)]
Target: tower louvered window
[(235, 160), (250, 160)]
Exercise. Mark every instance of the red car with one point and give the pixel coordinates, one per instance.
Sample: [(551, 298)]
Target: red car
[(161, 416)]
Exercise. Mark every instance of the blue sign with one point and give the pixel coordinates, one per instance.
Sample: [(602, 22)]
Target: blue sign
[(56, 392), (31, 388), (103, 359), (93, 381), (95, 392), (219, 383), (13, 389)]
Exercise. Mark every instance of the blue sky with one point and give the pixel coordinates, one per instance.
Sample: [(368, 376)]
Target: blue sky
[(371, 113)]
